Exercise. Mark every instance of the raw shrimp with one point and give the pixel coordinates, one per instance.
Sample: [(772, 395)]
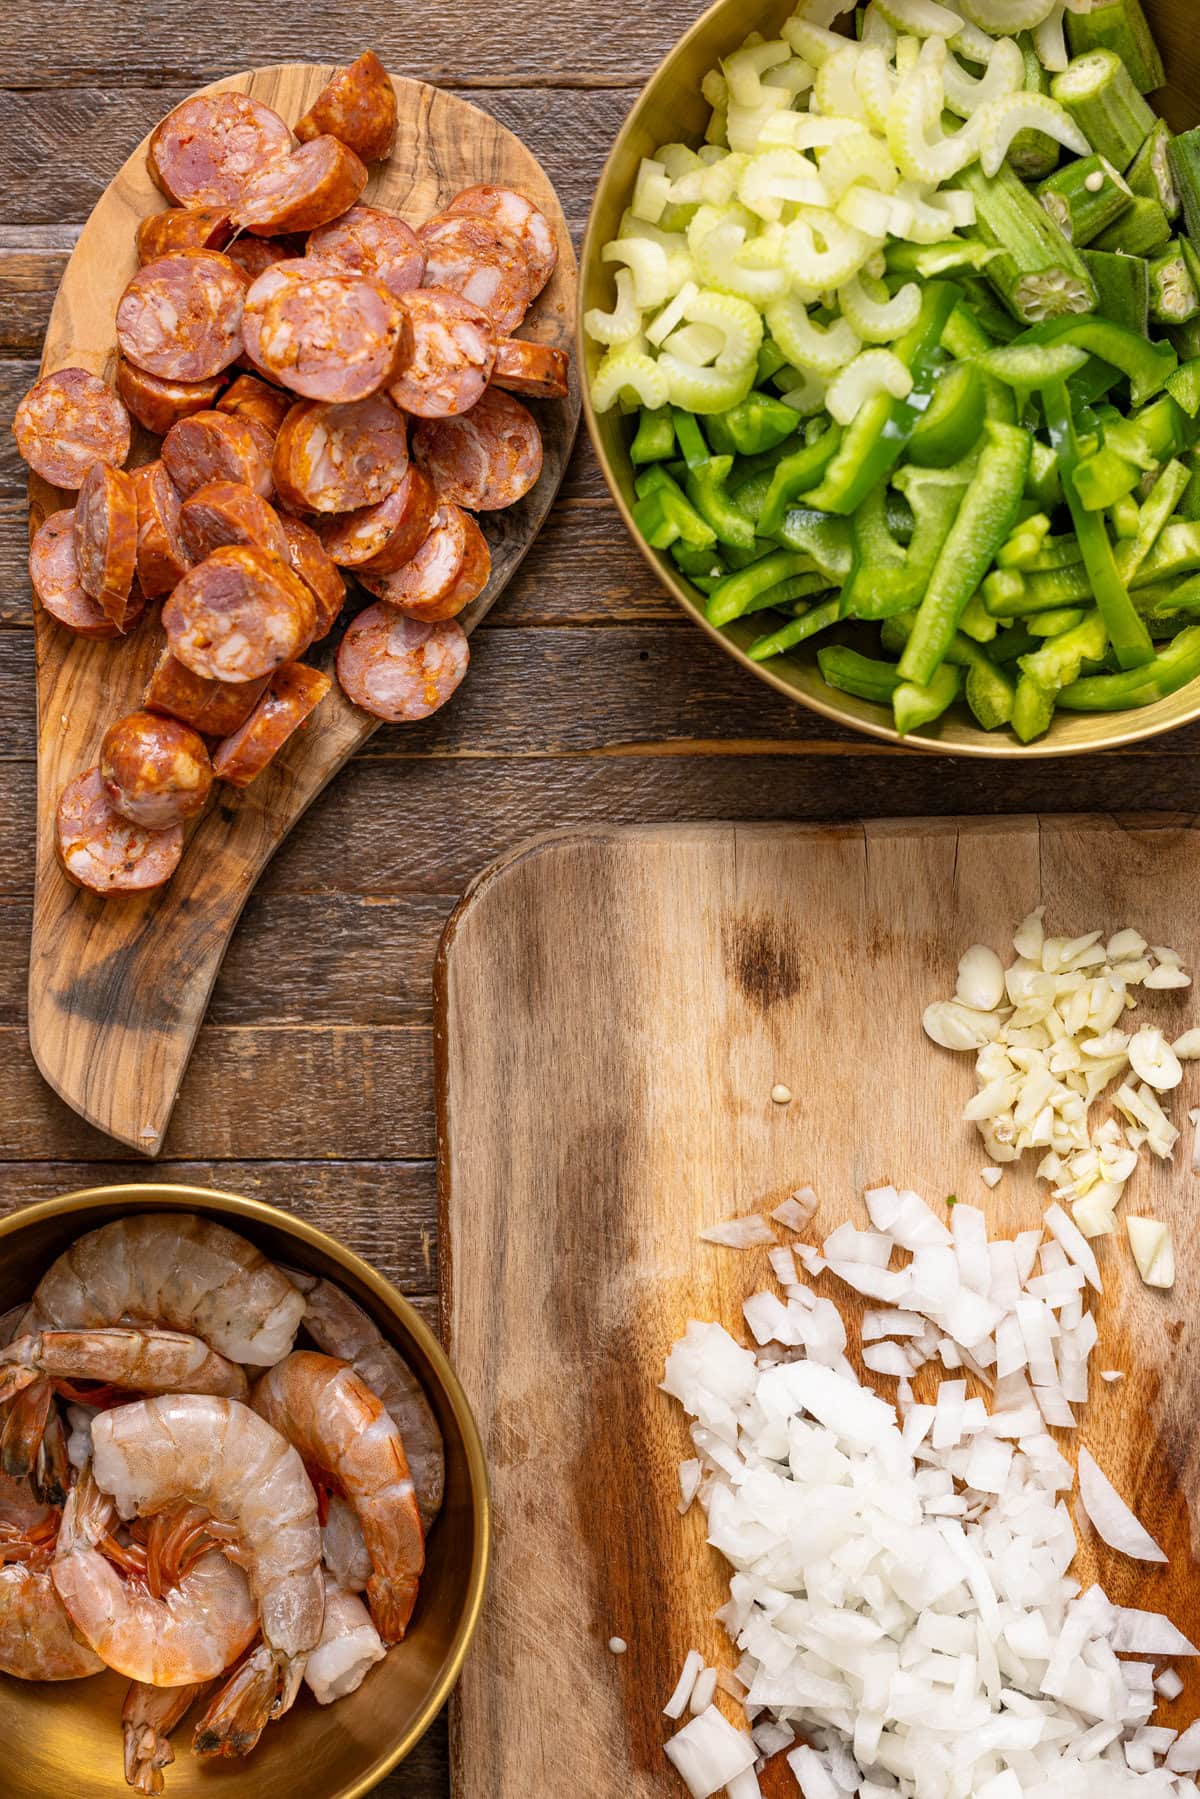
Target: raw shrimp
[(37, 1640), (341, 1328), (339, 1426), (218, 1454), (148, 1717), (178, 1271), (192, 1633), (138, 1360), (344, 1547), (33, 1444), (349, 1648)]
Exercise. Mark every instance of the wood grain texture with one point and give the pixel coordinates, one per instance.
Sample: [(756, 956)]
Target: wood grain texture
[(614, 1008), (118, 987)]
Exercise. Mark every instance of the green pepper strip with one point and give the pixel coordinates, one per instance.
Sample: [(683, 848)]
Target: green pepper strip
[(797, 474), (788, 636), (989, 690), (737, 593), (824, 536), (1170, 599), (693, 445), (863, 676), (985, 518), (758, 423), (885, 578), (1026, 366), (1184, 387), (654, 440), (953, 422), (1130, 639), (1146, 364), (708, 491), (873, 443), (914, 705), (1170, 670), (653, 520), (1104, 478), (1153, 519), (678, 508)]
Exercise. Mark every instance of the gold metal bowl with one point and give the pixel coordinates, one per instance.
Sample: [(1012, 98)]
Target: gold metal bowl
[(64, 1739), (670, 109)]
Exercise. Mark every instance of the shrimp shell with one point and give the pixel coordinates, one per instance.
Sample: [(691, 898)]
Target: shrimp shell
[(344, 1548), (341, 1328), (349, 1648), (191, 1634), (219, 1454), (148, 1717), (139, 1360), (37, 1637), (341, 1427), (176, 1270)]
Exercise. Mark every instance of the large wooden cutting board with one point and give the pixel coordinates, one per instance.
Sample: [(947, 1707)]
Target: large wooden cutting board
[(118, 987), (614, 1010)]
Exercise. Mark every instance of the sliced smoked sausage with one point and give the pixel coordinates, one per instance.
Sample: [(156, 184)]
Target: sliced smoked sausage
[(182, 228), (449, 569), (54, 573), (452, 355), (214, 708), (181, 315), (324, 335), (102, 851), (367, 241), (161, 558), (359, 107), (157, 403), (316, 183), (334, 458), (229, 512), (382, 537), (400, 669), (309, 560), (293, 692), (217, 446), (239, 615), (537, 371), (481, 261), (487, 459), (66, 422), (203, 152), (521, 218), (106, 521), (156, 771), (250, 398), (255, 255)]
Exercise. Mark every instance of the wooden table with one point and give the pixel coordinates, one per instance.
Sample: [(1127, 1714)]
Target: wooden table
[(590, 699)]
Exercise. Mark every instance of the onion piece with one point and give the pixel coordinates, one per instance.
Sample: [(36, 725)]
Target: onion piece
[(1148, 1633), (740, 1233), (1110, 1517), (693, 1667), (708, 1753)]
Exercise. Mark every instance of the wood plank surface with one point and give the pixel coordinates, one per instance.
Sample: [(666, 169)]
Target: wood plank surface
[(407, 827), (614, 1009)]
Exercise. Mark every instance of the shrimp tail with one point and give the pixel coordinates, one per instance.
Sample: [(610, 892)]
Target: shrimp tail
[(53, 1473), (147, 1718), (263, 1688), (14, 1378), (24, 1427), (391, 1599), (86, 1516)]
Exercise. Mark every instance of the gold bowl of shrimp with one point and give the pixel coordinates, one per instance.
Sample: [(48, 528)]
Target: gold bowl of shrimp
[(244, 1521)]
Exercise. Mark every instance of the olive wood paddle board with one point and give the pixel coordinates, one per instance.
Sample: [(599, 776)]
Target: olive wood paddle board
[(118, 987), (614, 1009)]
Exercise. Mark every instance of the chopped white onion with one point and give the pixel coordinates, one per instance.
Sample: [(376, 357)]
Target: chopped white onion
[(1111, 1518), (693, 1667), (740, 1233), (708, 1753), (797, 1210)]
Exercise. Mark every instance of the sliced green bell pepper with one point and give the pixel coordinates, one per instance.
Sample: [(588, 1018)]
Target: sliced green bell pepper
[(1166, 673), (823, 535), (863, 676), (887, 578), (986, 516), (655, 483), (798, 631), (654, 440), (1184, 386), (758, 423), (693, 445), (952, 424), (707, 489), (1147, 365), (914, 705), (796, 474), (739, 592)]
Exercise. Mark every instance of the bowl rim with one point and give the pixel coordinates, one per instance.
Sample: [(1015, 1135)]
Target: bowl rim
[(984, 745), (166, 1195)]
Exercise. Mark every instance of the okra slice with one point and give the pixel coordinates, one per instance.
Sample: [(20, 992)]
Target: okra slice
[(1174, 295), (1120, 26), (1183, 155), (1038, 274), (1141, 229), (1085, 197), (1032, 154), (1098, 92), (1149, 174), (1123, 284)]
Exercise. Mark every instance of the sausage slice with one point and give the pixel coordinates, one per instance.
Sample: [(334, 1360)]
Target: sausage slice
[(66, 422), (203, 153), (335, 458), (157, 403), (54, 572), (452, 355), (487, 459), (448, 570), (250, 398), (239, 615), (156, 771), (483, 262), (294, 691), (521, 218), (367, 241), (223, 512), (218, 446), (359, 107), (401, 669), (104, 852), (181, 315), (214, 708), (182, 228), (106, 534), (536, 371), (308, 559), (382, 537), (162, 561), (314, 184)]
